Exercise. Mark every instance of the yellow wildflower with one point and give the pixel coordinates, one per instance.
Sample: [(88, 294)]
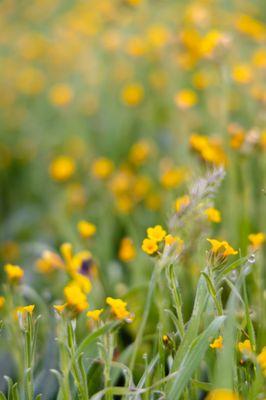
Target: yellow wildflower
[(118, 307), (245, 347), (61, 95), (86, 229), (222, 246), (169, 239), (173, 177), (14, 273), (257, 239), (132, 94), (139, 152), (127, 250), (259, 58), (62, 168), (60, 307), (49, 262), (75, 297), (181, 203), (2, 302), (185, 99), (95, 314), (222, 394), (102, 168), (213, 215), (242, 73), (157, 233), (261, 358), (149, 246), (26, 309), (217, 343), (251, 27)]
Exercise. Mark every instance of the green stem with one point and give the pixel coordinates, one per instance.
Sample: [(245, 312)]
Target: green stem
[(144, 319)]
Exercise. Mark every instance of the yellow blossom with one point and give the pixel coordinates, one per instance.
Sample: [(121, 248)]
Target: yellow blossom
[(244, 347), (118, 307), (132, 94), (139, 152), (222, 246), (86, 229), (185, 99), (14, 273), (102, 168), (157, 233), (49, 262), (61, 95), (26, 309), (242, 73), (95, 314), (217, 343), (169, 239), (127, 250), (62, 168), (261, 358), (222, 394), (2, 302), (173, 177), (257, 239), (60, 307), (181, 203), (213, 215), (75, 297), (149, 246)]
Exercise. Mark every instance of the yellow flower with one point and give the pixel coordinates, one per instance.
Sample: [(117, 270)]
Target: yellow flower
[(213, 215), (251, 27), (222, 246), (95, 314), (242, 73), (157, 233), (62, 168), (139, 152), (102, 168), (185, 99), (157, 36), (173, 177), (127, 250), (26, 309), (259, 58), (149, 246), (181, 203), (86, 229), (30, 81), (222, 394), (2, 302), (118, 307), (14, 273), (217, 343), (257, 239), (75, 297), (49, 262), (61, 95), (262, 360), (132, 94), (245, 347), (170, 239), (60, 307)]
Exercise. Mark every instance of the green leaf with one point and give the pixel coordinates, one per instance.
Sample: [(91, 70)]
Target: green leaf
[(192, 359), (94, 335), (2, 396)]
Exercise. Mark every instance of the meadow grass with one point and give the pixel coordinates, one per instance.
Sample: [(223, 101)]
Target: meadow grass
[(132, 170)]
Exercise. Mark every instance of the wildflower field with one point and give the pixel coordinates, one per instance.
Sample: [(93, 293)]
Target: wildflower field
[(132, 170)]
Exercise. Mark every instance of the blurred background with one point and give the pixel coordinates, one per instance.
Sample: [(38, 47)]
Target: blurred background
[(109, 109)]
